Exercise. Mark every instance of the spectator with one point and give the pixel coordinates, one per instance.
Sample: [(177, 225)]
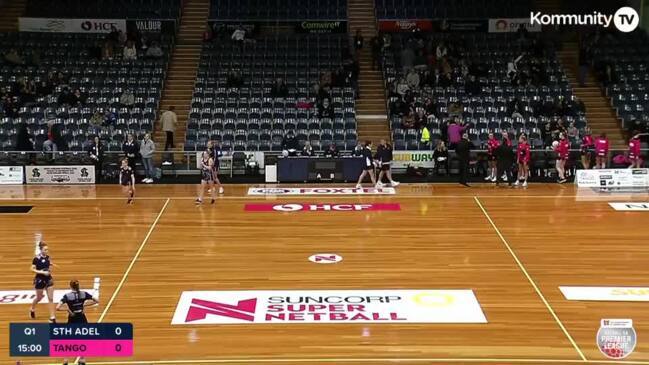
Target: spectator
[(290, 144), (97, 119), (441, 51), (387, 41), (375, 43), (425, 136), (24, 141), (402, 87), (234, 79), (455, 131), (472, 87), (358, 42), (13, 57), (325, 109), (325, 79), (332, 151), (358, 150), (127, 99), (573, 132), (66, 98), (279, 89), (107, 51), (412, 79), (11, 107), (154, 52), (168, 120), (407, 59), (546, 135), (398, 107), (130, 148), (440, 157), (208, 34), (455, 110), (109, 119), (147, 148), (121, 38), (408, 120), (307, 150), (77, 99), (130, 51), (463, 153), (238, 36), (96, 153)]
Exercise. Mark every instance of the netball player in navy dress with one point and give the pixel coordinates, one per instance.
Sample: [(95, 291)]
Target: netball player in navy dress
[(368, 168), (127, 180), (76, 301), (215, 152), (207, 177), (43, 281)]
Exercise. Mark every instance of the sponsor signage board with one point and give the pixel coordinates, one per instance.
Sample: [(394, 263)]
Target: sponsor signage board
[(57, 25), (511, 25), (27, 296), (320, 207), (11, 175), (165, 26), (405, 25), (606, 293), (321, 191), (616, 338), (631, 206), (613, 178), (403, 159), (60, 174), (327, 306), (321, 26)]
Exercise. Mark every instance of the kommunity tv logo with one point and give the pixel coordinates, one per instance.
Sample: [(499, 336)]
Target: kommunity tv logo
[(625, 19)]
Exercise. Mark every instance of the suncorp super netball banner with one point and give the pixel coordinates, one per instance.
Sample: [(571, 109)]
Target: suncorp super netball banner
[(328, 306)]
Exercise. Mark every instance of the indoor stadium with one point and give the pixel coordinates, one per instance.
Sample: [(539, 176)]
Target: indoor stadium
[(324, 182)]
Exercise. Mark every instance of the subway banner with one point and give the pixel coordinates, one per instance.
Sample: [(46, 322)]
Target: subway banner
[(511, 25), (327, 306), (60, 174), (613, 178), (403, 159), (55, 25)]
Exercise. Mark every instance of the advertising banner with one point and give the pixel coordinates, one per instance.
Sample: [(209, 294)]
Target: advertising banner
[(331, 207), (60, 174), (321, 26), (461, 25), (54, 25), (403, 159), (157, 26), (405, 25), (606, 293), (327, 306), (511, 25), (11, 175), (321, 191), (613, 178)]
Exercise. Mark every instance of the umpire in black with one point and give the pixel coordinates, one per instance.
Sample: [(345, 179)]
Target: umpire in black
[(504, 162), (463, 152)]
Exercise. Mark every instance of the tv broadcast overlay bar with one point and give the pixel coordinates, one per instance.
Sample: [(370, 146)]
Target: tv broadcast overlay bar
[(321, 191), (69, 340), (320, 207), (606, 293), (327, 306)]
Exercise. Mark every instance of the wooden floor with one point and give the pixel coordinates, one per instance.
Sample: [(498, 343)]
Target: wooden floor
[(512, 247)]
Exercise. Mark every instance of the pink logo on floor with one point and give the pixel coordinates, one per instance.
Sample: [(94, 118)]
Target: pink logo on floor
[(306, 207)]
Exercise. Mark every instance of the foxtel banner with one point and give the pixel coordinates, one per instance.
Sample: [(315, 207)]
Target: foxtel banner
[(310, 207), (54, 25), (606, 293), (328, 306), (511, 25), (321, 191)]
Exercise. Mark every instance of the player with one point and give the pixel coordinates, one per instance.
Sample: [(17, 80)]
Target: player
[(601, 151), (634, 151), (127, 181), (562, 149), (207, 177), (216, 152), (507, 142), (368, 168), (76, 301), (587, 149), (384, 158), (523, 160), (492, 145), (43, 281)]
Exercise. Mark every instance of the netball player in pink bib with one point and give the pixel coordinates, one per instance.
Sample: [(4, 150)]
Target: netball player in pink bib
[(601, 151)]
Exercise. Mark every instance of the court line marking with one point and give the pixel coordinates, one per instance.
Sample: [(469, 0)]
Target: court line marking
[(366, 360), (529, 278), (130, 266), (260, 197)]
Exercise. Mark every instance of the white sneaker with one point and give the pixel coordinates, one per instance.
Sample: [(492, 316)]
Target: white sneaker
[(378, 185), (488, 178), (525, 183), (359, 186), (504, 176), (493, 179), (149, 181), (221, 190), (209, 191), (166, 163), (517, 183), (395, 183)]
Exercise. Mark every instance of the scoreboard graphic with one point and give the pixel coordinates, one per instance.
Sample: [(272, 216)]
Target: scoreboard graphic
[(70, 340)]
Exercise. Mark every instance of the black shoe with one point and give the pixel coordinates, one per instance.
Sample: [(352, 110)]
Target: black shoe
[(32, 314), (465, 184), (198, 202), (213, 201), (129, 201)]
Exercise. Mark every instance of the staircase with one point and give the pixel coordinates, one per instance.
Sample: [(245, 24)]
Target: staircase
[(600, 116), (9, 14), (371, 113), (181, 75)]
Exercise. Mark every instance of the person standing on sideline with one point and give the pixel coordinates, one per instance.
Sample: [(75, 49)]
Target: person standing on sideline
[(368, 165), (492, 145), (96, 153), (463, 152), (504, 162), (601, 151), (168, 120), (523, 156), (384, 156), (634, 151), (147, 147), (130, 149), (358, 43), (215, 152), (587, 149), (562, 150)]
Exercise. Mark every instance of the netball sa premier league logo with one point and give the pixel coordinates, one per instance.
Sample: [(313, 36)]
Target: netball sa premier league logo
[(616, 338)]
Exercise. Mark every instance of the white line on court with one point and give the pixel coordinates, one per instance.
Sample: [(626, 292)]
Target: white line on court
[(258, 197), (365, 360), (130, 266), (529, 278)]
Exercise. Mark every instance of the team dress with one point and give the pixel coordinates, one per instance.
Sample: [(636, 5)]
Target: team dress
[(492, 145), (563, 150), (523, 154), (384, 155), (587, 145), (126, 175), (216, 153), (601, 147), (75, 301), (42, 263), (207, 171), (367, 156), (634, 149)]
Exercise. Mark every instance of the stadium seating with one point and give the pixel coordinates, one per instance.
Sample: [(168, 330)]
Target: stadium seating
[(248, 117), (105, 9), (489, 110), (626, 55), (260, 10), (451, 9), (100, 81)]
